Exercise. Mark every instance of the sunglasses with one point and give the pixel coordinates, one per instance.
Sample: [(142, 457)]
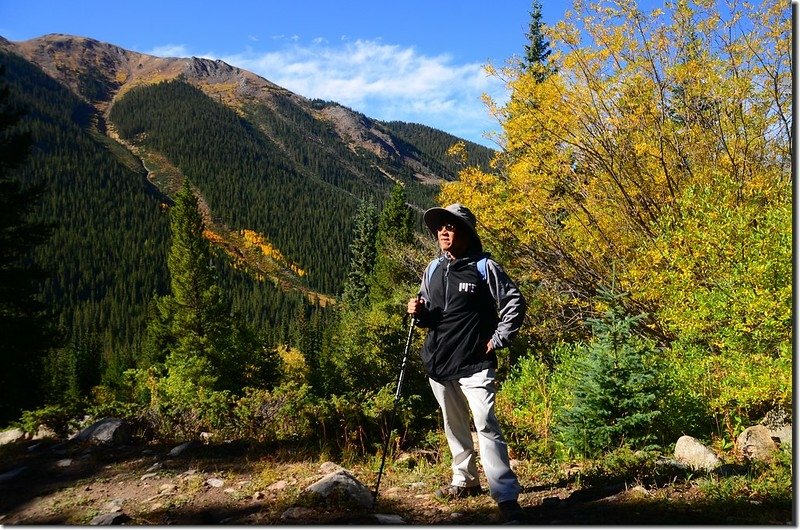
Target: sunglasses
[(450, 227)]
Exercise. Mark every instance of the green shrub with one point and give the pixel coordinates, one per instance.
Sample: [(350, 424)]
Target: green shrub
[(62, 418), (281, 414), (727, 391), (525, 408)]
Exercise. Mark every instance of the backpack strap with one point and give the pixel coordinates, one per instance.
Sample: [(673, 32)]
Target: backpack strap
[(482, 267), (481, 264), (432, 267)]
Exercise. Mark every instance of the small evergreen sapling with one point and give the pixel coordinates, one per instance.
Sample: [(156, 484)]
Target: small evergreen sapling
[(616, 386)]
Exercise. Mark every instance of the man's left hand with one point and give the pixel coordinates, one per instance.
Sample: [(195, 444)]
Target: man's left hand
[(489, 347)]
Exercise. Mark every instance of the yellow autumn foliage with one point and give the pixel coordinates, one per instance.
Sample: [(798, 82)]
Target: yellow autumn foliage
[(656, 160)]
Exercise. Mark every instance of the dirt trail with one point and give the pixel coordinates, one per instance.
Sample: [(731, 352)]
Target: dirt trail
[(242, 484)]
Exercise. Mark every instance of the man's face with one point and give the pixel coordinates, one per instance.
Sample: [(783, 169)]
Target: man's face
[(452, 239)]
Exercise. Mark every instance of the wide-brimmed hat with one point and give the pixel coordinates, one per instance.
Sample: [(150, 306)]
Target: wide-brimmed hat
[(457, 213)]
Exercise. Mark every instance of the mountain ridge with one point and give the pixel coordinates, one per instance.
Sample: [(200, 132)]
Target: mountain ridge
[(68, 58)]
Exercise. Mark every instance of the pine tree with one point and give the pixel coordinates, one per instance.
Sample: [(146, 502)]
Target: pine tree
[(192, 329), (200, 312), (538, 51), (26, 333), (617, 388), (395, 233), (362, 255)]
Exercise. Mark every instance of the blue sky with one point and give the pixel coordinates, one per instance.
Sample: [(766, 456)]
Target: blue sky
[(411, 60)]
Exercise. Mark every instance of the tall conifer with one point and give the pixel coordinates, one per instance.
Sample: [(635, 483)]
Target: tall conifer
[(362, 255), (537, 51), (395, 231)]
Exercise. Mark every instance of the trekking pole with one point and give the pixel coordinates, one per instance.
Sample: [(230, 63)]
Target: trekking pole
[(394, 409)]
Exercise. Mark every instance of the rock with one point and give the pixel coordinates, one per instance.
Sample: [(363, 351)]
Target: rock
[(779, 423), (381, 518), (281, 484), (13, 474), (44, 433), (215, 482), (148, 475), (756, 444), (330, 467), (109, 519), (783, 435), (178, 450), (66, 462), (776, 418), (106, 431), (113, 506), (696, 455), (154, 467), (10, 436), (340, 488), (259, 495)]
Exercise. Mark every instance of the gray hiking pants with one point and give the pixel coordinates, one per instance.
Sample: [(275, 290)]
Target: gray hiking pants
[(456, 399)]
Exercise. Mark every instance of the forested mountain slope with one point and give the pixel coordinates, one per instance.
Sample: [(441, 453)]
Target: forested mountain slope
[(279, 177)]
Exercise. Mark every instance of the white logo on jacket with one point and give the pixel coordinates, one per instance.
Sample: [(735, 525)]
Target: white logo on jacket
[(465, 287)]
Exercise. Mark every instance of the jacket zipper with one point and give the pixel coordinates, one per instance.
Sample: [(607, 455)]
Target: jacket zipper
[(446, 285)]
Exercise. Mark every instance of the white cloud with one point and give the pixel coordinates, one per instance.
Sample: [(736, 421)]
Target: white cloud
[(169, 50), (384, 81)]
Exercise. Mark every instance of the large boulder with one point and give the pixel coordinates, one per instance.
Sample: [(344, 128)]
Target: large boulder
[(756, 444), (109, 431), (697, 456)]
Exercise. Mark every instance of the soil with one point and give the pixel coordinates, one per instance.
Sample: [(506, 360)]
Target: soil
[(47, 483)]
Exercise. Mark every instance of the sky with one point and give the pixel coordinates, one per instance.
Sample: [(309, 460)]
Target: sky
[(412, 60)]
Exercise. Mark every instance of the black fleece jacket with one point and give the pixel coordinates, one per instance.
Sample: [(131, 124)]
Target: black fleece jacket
[(463, 312)]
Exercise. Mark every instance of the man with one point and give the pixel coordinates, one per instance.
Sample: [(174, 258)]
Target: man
[(471, 308)]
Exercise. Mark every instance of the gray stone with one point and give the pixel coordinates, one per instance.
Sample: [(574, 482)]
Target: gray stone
[(66, 462), (109, 519), (330, 467), (782, 435), (13, 474), (215, 482), (178, 450), (756, 444), (106, 431), (381, 518), (114, 505), (776, 418), (696, 455), (340, 488)]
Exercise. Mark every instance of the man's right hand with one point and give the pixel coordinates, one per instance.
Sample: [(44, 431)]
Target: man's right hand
[(415, 306)]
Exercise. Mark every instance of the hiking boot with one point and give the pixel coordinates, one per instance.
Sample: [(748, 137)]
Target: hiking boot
[(457, 492), (511, 512)]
